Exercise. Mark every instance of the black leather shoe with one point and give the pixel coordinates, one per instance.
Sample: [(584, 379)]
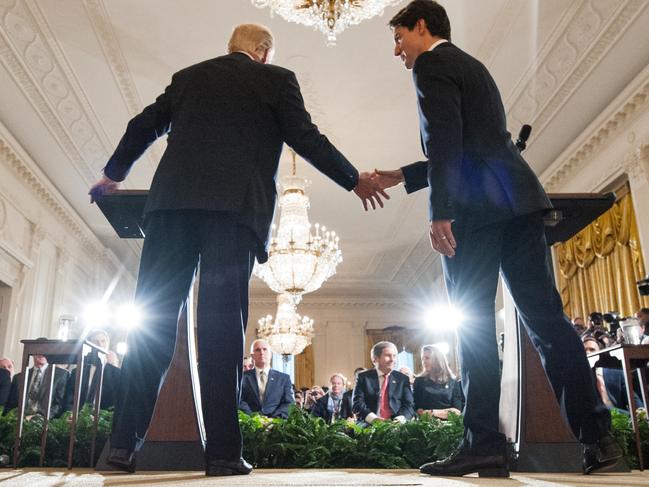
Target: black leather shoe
[(601, 456), (121, 459), (462, 463), (221, 468)]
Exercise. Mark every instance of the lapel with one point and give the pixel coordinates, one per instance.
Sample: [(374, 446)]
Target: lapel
[(251, 377), (272, 378)]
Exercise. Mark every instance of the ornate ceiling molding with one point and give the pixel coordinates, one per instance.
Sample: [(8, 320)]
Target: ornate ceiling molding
[(105, 33), (499, 31), (27, 171), (605, 128), (32, 56), (590, 29), (338, 302)]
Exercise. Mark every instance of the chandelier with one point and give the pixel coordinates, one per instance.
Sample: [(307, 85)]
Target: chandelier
[(289, 333), (299, 261), (330, 17)]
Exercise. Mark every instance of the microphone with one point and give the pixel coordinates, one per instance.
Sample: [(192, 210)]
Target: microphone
[(523, 135)]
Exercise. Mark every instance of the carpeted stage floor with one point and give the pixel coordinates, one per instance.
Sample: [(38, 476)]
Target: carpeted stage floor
[(308, 478)]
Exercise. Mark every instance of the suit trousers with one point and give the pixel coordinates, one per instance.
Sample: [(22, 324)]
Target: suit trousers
[(177, 243), (517, 249)]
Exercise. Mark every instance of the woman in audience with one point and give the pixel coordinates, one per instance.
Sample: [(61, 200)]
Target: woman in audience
[(436, 390)]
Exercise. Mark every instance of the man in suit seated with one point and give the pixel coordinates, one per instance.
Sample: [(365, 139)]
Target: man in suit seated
[(109, 384), (37, 389), (264, 390), (6, 372), (334, 404), (382, 393)]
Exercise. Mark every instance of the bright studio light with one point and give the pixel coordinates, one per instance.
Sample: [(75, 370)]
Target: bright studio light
[(443, 347), (444, 317), (128, 316), (121, 348), (95, 314)]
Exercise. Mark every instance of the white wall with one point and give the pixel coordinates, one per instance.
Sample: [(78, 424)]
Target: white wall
[(48, 255)]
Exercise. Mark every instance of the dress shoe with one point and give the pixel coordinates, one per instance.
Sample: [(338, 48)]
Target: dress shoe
[(601, 456), (462, 463), (221, 468), (121, 459)]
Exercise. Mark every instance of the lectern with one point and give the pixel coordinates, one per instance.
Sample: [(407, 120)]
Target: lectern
[(175, 438), (529, 413)]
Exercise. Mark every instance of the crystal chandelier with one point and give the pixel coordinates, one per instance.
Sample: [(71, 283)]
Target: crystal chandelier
[(289, 333), (298, 261), (330, 17)]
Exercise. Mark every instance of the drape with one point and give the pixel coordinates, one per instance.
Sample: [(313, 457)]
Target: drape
[(304, 369), (599, 266)]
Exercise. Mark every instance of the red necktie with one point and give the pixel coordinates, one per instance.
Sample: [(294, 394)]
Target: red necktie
[(384, 410)]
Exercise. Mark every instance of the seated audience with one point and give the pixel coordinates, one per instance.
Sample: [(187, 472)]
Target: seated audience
[(264, 390), (334, 405), (610, 383), (349, 394), (90, 382), (382, 393), (6, 371), (643, 320), (37, 389), (437, 392), (247, 363), (579, 325), (299, 399), (312, 396)]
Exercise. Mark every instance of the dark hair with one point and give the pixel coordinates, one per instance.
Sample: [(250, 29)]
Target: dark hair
[(433, 14), (377, 349)]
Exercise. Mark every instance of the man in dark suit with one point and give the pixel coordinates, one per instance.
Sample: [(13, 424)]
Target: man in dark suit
[(336, 403), (486, 215), (38, 378), (90, 381), (382, 393), (212, 197), (264, 390)]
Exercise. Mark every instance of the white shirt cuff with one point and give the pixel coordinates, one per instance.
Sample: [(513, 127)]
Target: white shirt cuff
[(369, 419), (400, 419)]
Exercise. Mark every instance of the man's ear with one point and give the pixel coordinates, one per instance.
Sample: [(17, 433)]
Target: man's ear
[(421, 27), (266, 57)]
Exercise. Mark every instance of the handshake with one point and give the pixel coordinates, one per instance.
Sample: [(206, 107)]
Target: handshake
[(372, 185)]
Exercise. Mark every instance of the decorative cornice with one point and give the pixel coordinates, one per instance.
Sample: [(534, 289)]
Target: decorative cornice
[(505, 21), (631, 102), (103, 27), (43, 190), (339, 302), (569, 57)]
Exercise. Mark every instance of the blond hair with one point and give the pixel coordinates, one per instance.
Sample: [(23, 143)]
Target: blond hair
[(251, 38)]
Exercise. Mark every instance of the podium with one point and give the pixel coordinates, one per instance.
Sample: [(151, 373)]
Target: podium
[(175, 439), (530, 416)]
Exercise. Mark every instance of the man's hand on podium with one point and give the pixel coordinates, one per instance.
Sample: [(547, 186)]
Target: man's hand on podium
[(104, 186)]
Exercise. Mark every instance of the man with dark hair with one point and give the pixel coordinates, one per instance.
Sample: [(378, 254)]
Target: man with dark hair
[(211, 201), (382, 393), (486, 215), (643, 320)]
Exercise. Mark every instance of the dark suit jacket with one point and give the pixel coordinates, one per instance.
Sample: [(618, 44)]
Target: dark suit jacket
[(58, 392), (227, 119), (5, 386), (277, 398), (430, 395), (108, 389), (475, 174), (321, 410), (367, 393)]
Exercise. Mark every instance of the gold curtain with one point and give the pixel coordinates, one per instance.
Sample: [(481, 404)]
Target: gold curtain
[(599, 266), (304, 370)]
